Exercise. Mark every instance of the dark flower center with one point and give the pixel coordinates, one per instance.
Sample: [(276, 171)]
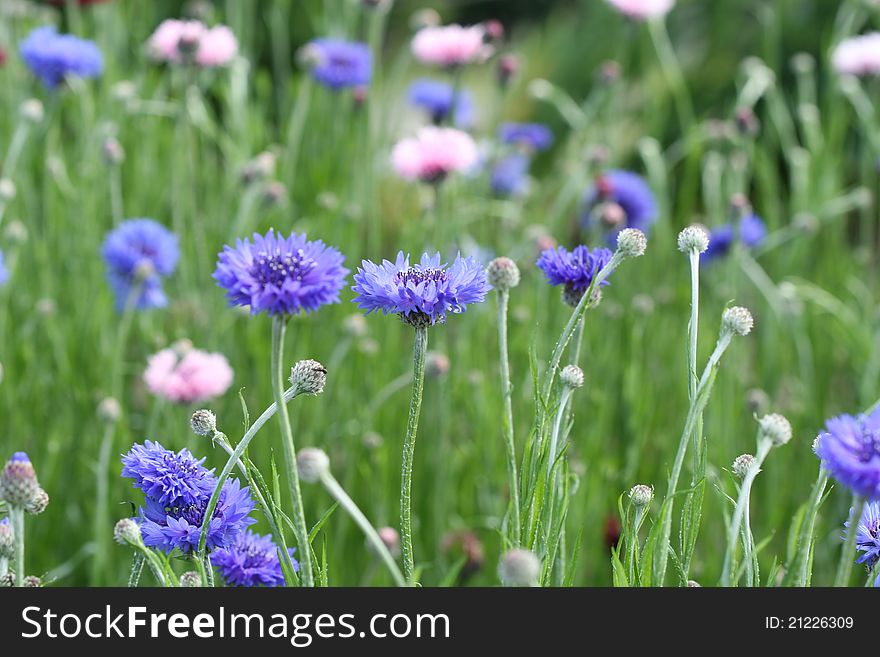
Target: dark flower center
[(194, 514), (275, 268), (176, 465), (418, 275)]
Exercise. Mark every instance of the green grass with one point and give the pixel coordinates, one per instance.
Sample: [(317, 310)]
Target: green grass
[(815, 350)]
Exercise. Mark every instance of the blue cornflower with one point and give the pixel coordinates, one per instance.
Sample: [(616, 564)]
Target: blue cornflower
[(534, 136), (868, 535), (339, 64), (140, 252), (420, 294), (850, 451), (632, 202), (251, 560), (171, 479), (436, 99), (169, 527), (281, 276), (4, 273), (510, 175), (750, 230), (52, 56), (574, 269)]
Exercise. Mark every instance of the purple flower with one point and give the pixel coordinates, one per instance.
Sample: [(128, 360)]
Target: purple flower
[(436, 99), (850, 451), (750, 230), (618, 200), (574, 269), (168, 478), (140, 252), (868, 535), (510, 175), (4, 273), (421, 294), (168, 527), (52, 56), (281, 276), (251, 560), (339, 64), (534, 136)]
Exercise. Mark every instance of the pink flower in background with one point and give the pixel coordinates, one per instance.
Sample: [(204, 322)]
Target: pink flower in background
[(858, 55), (185, 375), (643, 9), (433, 154), (451, 45), (216, 46)]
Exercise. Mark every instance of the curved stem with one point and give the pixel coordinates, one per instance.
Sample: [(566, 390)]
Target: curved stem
[(339, 494), (420, 347), (507, 417), (848, 551)]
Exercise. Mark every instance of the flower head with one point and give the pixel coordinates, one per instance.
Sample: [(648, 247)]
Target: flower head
[(18, 481), (179, 41), (170, 479), (519, 567), (7, 539), (532, 136), (140, 252), (630, 193), (850, 450), (433, 154), (502, 273), (127, 532), (750, 231), (217, 47), (510, 175), (281, 276), (436, 99), (693, 238), (52, 56), (642, 9), (574, 269), (203, 422), (308, 377), (312, 464), (641, 494), (340, 64), (187, 376), (742, 464), (421, 294), (250, 560), (450, 45), (859, 55), (868, 535), (737, 321)]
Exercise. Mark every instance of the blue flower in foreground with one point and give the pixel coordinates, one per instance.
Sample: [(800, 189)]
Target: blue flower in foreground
[(4, 273), (436, 99), (868, 535), (169, 527), (751, 231), (421, 294), (535, 136), (251, 560), (574, 269), (620, 199), (510, 175), (171, 479), (52, 56), (281, 276), (140, 252), (339, 64), (850, 451)]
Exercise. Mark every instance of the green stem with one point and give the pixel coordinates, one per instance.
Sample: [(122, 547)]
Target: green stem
[(335, 489), (692, 351), (848, 551), (420, 347), (800, 567), (554, 436), (507, 418), (279, 325), (137, 567), (673, 73), (16, 519)]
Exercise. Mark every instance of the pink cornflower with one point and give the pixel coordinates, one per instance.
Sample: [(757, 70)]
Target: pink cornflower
[(859, 55), (451, 45), (642, 9), (209, 47), (185, 375), (433, 154)]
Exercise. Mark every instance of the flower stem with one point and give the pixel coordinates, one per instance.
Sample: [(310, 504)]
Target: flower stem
[(672, 71), (16, 518), (279, 325), (799, 569), (507, 418), (137, 567), (554, 435), (420, 347), (848, 551), (741, 510), (338, 492)]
